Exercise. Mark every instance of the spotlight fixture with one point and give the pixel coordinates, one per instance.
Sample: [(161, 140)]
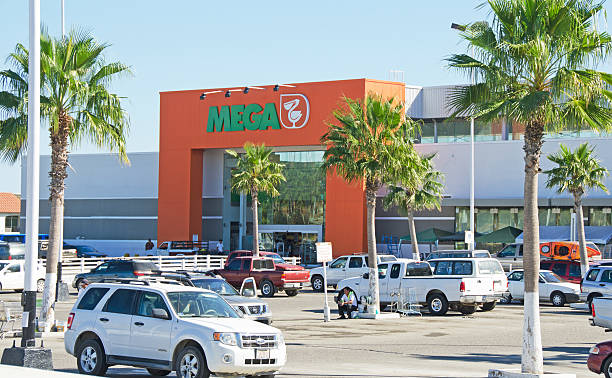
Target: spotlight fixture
[(246, 90), (228, 93), (202, 96), (276, 88)]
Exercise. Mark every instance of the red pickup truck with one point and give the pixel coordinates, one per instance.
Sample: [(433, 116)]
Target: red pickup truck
[(279, 262), (266, 276)]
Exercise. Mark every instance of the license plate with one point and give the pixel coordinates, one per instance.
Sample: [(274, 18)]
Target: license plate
[(262, 354), (292, 285)]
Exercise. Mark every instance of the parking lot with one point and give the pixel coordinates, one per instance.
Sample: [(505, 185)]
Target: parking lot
[(449, 346)]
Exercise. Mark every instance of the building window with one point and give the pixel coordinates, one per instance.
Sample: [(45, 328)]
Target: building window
[(488, 219), (600, 216), (11, 223)]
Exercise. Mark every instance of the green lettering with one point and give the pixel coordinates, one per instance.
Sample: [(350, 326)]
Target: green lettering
[(269, 117), (251, 120), (236, 120), (216, 119)]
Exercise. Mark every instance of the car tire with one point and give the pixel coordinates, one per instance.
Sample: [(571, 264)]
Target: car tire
[(488, 306), (40, 286), (606, 367), (78, 283), (158, 372), (191, 358), (291, 293), (558, 299), (467, 310), (91, 359), (267, 288), (437, 304), (317, 283)]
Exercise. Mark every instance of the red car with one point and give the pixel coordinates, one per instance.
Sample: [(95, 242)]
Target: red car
[(569, 270), (600, 359), (280, 263)]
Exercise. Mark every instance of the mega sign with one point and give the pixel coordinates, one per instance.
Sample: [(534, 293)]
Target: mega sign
[(294, 113)]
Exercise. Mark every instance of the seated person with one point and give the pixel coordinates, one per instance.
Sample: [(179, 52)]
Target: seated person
[(347, 303)]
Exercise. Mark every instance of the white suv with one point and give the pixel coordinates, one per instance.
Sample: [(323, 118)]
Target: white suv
[(163, 327), (344, 267)]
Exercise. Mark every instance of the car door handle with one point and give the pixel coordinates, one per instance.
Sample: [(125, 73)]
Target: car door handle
[(103, 320), (139, 324)]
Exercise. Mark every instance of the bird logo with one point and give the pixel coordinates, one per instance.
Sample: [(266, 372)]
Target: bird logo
[(295, 110)]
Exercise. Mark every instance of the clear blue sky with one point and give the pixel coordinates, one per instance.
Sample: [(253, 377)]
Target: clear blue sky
[(174, 45)]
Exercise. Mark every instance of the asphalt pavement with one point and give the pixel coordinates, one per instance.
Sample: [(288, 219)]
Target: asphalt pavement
[(427, 346)]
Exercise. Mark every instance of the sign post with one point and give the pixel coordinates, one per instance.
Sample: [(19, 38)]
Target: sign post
[(324, 254), (469, 239)]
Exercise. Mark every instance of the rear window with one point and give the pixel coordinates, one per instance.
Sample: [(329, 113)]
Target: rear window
[(386, 258), (418, 269), (263, 264), (145, 266), (445, 268), (91, 298), (490, 267)]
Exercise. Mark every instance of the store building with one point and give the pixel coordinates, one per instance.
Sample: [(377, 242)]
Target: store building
[(184, 192)]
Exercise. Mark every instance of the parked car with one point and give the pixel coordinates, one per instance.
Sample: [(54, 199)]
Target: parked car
[(551, 287), (458, 253), (85, 251), (601, 312), (468, 284), (279, 262), (182, 248), (12, 275), (596, 283), (12, 251), (168, 327), (600, 359), (343, 267), (118, 268), (245, 301), (566, 269), (267, 277)]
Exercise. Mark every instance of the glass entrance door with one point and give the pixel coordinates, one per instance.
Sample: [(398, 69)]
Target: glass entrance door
[(292, 241)]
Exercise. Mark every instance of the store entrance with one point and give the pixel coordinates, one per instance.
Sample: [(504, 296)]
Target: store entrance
[(291, 242)]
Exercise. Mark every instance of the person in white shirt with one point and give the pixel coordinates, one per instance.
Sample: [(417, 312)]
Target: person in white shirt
[(347, 303), (84, 284), (220, 247)]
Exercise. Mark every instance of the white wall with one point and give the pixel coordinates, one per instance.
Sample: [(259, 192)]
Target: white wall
[(499, 167), (103, 176)]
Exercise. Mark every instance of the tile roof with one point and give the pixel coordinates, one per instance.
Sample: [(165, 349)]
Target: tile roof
[(9, 203)]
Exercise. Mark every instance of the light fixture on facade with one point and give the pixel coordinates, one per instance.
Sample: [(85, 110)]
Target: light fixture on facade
[(246, 90), (228, 93), (202, 96)]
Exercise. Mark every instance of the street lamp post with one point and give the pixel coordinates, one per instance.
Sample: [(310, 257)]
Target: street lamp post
[(472, 79)]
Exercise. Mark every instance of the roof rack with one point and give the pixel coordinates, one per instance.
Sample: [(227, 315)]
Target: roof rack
[(148, 280)]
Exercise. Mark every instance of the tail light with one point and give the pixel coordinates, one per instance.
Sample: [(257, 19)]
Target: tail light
[(462, 286), (10, 257), (283, 277), (582, 279), (507, 284), (70, 319), (593, 310), (138, 273)]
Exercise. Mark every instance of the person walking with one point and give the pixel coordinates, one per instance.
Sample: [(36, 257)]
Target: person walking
[(149, 246), (347, 303)]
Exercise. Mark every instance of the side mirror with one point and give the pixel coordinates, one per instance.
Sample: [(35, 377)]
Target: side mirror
[(366, 276), (248, 287), (160, 313)]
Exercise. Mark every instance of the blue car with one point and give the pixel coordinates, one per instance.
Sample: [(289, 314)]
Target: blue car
[(85, 251)]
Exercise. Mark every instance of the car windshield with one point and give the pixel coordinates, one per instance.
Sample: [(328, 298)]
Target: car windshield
[(277, 259), (193, 304), (220, 287), (550, 277)]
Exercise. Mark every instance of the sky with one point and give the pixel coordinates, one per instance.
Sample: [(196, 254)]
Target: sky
[(189, 44)]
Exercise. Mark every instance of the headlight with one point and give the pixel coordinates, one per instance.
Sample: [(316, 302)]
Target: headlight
[(225, 338), (280, 338), (594, 350)]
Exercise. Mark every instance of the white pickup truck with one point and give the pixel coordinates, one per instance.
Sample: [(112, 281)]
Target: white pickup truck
[(12, 275), (601, 312), (456, 284)]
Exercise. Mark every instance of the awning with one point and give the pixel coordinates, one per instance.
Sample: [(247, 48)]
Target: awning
[(503, 235), (431, 235), (458, 236), (595, 234)]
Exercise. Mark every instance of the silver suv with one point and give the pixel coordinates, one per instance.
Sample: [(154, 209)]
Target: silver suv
[(596, 283)]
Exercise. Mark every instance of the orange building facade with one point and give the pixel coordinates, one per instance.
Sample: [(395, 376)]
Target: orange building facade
[(288, 118)]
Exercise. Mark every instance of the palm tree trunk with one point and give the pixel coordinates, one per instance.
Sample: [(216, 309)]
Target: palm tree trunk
[(413, 235), (255, 223), (372, 261), (59, 162), (532, 360), (584, 260)]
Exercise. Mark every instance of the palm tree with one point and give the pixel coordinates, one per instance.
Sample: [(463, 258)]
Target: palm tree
[(77, 104), (426, 195), (371, 145), (255, 172), (536, 65), (576, 172)]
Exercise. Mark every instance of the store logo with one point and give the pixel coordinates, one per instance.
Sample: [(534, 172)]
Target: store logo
[(295, 110)]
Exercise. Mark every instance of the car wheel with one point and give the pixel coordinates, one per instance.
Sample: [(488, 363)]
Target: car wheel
[(291, 293), (78, 283), (191, 364), (317, 283), (437, 304), (558, 299), (91, 359), (467, 310), (488, 306), (606, 367), (158, 372), (40, 286), (267, 289)]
